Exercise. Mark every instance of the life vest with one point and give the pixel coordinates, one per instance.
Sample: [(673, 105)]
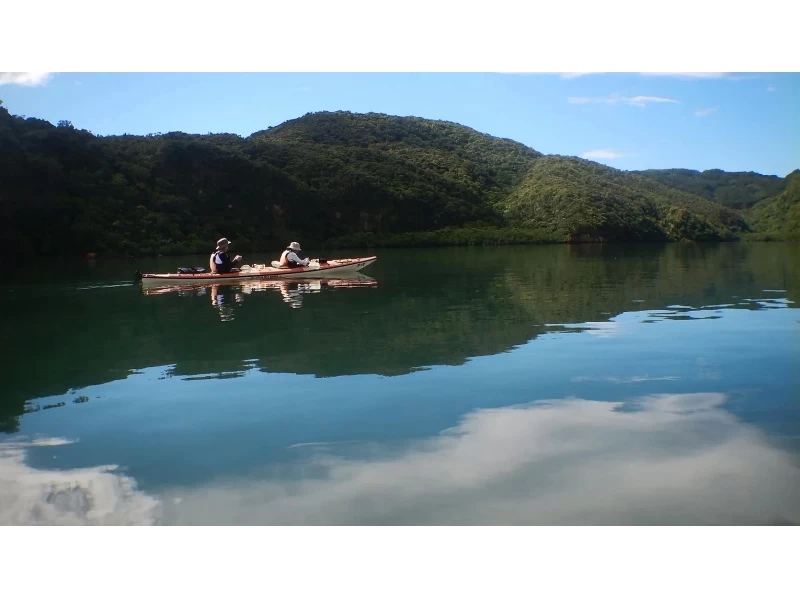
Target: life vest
[(285, 263), (283, 260), (226, 265)]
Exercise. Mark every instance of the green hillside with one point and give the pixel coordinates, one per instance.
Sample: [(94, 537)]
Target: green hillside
[(381, 173), (584, 201), (779, 216), (327, 179), (733, 189)]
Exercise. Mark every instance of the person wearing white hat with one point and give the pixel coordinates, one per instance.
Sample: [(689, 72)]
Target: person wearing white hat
[(221, 262), (290, 259)]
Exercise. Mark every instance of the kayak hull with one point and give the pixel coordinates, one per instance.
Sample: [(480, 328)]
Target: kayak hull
[(333, 268)]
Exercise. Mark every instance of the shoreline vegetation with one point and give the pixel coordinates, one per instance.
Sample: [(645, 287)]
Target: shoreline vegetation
[(453, 237), (339, 180)]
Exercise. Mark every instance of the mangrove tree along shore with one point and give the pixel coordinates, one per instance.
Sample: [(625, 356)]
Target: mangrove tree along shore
[(346, 180)]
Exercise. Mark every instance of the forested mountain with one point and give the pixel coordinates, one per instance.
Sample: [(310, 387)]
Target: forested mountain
[(326, 179), (733, 189), (779, 215), (585, 201)]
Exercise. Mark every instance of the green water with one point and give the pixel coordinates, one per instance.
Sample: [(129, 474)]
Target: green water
[(554, 384)]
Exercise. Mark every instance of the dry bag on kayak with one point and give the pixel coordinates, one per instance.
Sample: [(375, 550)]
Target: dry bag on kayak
[(197, 270)]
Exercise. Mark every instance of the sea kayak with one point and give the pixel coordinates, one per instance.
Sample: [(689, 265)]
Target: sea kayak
[(329, 268)]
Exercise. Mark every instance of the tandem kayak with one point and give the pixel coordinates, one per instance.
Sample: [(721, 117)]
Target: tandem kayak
[(332, 268)]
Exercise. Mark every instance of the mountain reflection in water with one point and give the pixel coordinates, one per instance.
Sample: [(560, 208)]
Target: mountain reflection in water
[(553, 384)]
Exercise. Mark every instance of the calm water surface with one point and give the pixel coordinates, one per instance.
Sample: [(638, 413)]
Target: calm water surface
[(525, 385)]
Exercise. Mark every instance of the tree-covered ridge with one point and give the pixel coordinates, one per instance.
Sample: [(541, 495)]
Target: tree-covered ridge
[(779, 215), (66, 191), (585, 201), (327, 178), (395, 174), (501, 157), (733, 189)]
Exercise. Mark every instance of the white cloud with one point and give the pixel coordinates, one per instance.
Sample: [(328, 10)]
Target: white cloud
[(705, 111), (602, 154), (558, 463), (691, 75), (625, 379), (683, 76), (26, 79), (672, 75), (565, 462), (616, 98), (642, 100), (87, 496), (770, 88)]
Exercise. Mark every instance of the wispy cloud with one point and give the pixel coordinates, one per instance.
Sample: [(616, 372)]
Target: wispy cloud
[(692, 75), (603, 154), (688, 76), (732, 76), (26, 79), (642, 100), (301, 89), (684, 76), (625, 380), (770, 88), (616, 98), (705, 111)]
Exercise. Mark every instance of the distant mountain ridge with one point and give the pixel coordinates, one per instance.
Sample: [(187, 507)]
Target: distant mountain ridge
[(733, 189), (341, 178)]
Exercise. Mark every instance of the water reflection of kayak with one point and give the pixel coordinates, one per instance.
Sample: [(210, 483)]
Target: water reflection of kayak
[(227, 294), (249, 286), (329, 268)]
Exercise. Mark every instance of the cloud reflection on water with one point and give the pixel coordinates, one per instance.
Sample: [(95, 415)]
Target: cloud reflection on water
[(661, 459), (86, 496)]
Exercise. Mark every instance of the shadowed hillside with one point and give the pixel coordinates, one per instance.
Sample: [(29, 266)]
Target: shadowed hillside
[(329, 179), (779, 216)]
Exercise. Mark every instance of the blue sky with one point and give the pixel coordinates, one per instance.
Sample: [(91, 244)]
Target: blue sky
[(629, 121)]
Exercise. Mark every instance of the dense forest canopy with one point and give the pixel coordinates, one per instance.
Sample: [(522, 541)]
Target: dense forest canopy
[(780, 214), (337, 179), (733, 189), (585, 201)]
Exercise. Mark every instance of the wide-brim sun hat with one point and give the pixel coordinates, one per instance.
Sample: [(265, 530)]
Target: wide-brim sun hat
[(223, 241), (294, 246)]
